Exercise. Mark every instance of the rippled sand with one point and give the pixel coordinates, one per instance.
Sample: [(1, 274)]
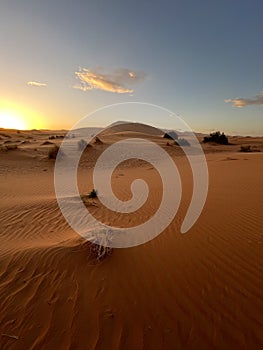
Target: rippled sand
[(201, 290)]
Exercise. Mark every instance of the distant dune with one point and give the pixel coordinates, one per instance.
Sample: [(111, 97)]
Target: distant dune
[(133, 127)]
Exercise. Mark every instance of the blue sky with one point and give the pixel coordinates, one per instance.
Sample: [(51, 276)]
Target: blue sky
[(187, 56)]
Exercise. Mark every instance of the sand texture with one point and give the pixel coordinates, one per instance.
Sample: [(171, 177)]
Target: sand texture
[(201, 290)]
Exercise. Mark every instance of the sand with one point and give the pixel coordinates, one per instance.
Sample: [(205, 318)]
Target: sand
[(201, 290)]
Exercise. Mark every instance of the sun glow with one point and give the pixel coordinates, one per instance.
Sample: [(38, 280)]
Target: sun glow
[(13, 116), (9, 120)]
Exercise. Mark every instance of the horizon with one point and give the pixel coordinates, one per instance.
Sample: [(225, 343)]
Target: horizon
[(161, 128)]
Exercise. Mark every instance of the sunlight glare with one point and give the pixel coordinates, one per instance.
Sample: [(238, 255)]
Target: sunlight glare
[(10, 121)]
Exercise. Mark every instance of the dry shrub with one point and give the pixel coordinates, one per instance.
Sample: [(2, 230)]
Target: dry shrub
[(99, 252), (55, 153), (6, 148), (245, 149)]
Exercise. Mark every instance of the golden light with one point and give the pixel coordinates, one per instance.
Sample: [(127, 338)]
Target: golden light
[(10, 121), (14, 116)]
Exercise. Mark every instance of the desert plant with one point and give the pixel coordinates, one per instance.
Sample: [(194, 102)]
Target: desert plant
[(172, 135), (100, 242), (216, 137), (53, 137), (82, 144), (5, 135), (55, 153), (93, 194), (98, 141), (99, 252), (5, 148), (246, 149), (183, 142), (46, 143), (11, 147)]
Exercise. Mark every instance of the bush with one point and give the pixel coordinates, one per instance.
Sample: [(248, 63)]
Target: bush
[(11, 147), (99, 252), (85, 197), (93, 194), (100, 244), (55, 153), (217, 137), (6, 148), (172, 135), (53, 137), (183, 142), (82, 144), (98, 141), (245, 149)]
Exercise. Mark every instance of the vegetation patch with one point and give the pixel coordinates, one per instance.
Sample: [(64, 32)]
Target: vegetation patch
[(248, 149), (6, 148), (46, 143), (55, 153), (98, 141), (54, 137), (82, 145), (93, 194), (183, 142), (172, 135), (99, 252), (217, 137)]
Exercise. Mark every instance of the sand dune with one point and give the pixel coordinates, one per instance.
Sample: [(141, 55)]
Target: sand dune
[(201, 290)]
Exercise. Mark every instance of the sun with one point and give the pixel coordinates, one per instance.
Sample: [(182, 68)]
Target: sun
[(9, 120)]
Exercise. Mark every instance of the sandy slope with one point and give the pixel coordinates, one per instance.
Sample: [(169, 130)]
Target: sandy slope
[(202, 290)]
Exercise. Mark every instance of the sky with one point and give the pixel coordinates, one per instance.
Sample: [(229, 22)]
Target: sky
[(61, 60)]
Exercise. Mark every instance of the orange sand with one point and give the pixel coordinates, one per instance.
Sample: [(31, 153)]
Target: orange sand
[(201, 290)]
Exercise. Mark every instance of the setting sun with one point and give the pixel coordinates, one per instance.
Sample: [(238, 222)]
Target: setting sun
[(16, 116), (10, 121)]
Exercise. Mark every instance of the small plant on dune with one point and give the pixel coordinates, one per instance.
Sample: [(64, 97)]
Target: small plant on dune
[(11, 147), (55, 153), (98, 141), (245, 149), (87, 198), (82, 144), (99, 252), (93, 194), (99, 240), (5, 135), (99, 248), (6, 148), (183, 142), (172, 135)]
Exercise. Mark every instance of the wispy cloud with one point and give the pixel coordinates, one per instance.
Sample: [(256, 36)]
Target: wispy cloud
[(119, 81), (243, 102), (36, 83)]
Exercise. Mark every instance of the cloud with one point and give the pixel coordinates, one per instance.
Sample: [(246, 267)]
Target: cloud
[(36, 83), (119, 81), (243, 102)]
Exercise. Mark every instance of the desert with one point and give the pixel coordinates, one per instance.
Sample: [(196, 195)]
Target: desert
[(201, 290), (131, 167)]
